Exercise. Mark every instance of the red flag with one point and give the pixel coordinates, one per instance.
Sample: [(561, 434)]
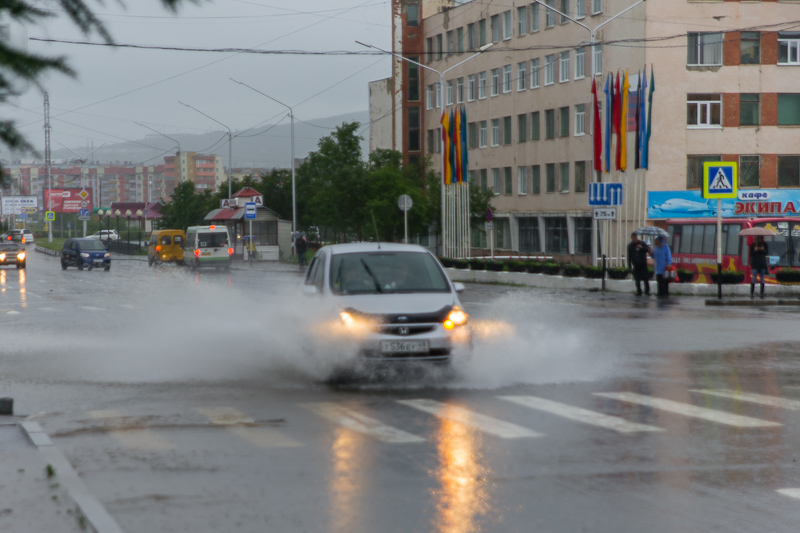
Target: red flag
[(617, 118), (597, 137)]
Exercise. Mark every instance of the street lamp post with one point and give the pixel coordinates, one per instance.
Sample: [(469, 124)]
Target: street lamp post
[(294, 193), (128, 216), (230, 146), (118, 213), (441, 89), (139, 223)]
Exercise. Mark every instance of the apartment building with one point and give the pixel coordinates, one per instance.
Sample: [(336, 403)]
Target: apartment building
[(725, 89)]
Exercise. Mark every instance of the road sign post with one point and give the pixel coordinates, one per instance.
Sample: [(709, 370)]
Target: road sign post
[(250, 214), (720, 180), (405, 202)]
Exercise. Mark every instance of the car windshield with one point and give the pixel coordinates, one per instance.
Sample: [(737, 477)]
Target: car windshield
[(92, 246), (8, 246), (390, 272), (212, 240)]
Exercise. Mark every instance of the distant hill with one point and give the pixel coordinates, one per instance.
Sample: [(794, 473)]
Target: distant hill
[(265, 147)]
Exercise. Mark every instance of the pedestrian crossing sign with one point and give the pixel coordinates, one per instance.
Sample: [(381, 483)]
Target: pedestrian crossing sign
[(720, 180)]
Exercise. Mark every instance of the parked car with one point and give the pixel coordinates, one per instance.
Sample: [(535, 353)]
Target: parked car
[(85, 253), (394, 300), (105, 235), (12, 253), (166, 246), (20, 235)]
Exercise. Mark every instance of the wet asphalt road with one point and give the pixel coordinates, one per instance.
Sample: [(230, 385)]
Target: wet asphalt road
[(203, 403)]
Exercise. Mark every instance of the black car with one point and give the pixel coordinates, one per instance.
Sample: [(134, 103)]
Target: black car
[(12, 253), (89, 253)]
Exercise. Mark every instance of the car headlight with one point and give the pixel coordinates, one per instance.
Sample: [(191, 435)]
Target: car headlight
[(85, 256), (456, 317), (20, 256), (107, 255), (3, 256)]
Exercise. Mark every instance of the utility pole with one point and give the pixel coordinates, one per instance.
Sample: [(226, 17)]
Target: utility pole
[(47, 163)]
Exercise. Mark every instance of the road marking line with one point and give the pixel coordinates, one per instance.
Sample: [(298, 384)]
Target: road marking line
[(260, 436), (487, 424), (771, 401), (792, 493), (361, 423), (133, 436), (91, 308), (690, 410), (580, 415), (12, 312)]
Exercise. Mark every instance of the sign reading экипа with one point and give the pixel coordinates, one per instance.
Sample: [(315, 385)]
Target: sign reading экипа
[(749, 203)]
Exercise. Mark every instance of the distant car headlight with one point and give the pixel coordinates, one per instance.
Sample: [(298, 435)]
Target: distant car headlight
[(107, 255), (85, 255), (456, 317), (2, 256), (20, 256)]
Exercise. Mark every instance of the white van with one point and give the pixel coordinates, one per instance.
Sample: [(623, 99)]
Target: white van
[(208, 246)]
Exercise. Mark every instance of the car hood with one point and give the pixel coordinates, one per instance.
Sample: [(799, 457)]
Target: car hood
[(394, 303)]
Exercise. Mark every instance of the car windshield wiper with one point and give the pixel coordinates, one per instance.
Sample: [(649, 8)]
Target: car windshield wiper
[(372, 275)]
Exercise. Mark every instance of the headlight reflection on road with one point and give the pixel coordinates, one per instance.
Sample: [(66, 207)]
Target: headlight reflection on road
[(22, 293), (347, 484), (461, 495)]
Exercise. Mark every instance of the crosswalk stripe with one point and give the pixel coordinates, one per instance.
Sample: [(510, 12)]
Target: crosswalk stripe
[(131, 435), (792, 493), (771, 401), (580, 415), (690, 410), (355, 421), (237, 423), (487, 424)]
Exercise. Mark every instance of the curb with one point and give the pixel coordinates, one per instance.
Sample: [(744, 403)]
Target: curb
[(96, 515)]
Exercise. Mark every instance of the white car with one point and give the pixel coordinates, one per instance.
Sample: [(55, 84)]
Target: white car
[(104, 235), (25, 233), (395, 300)]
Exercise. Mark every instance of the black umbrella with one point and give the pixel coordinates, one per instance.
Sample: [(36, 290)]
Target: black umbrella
[(652, 230)]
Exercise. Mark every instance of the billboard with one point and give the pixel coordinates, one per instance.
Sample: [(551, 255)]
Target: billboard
[(748, 203), (16, 205), (67, 200)]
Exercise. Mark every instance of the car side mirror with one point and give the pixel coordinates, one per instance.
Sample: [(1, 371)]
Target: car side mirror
[(459, 287), (310, 290)]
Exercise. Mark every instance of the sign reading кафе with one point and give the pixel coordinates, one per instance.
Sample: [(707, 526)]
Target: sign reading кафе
[(748, 203)]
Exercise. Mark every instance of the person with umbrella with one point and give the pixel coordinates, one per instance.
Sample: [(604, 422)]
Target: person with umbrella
[(758, 264), (637, 263), (662, 258)]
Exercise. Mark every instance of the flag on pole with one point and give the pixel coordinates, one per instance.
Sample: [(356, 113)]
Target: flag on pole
[(616, 118), (637, 119), (641, 131), (623, 124), (446, 147), (597, 137), (608, 90), (457, 147), (452, 153), (646, 163), (464, 158)]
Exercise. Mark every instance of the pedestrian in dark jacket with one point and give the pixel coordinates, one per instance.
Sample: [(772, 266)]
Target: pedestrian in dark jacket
[(758, 263), (301, 245), (637, 263)]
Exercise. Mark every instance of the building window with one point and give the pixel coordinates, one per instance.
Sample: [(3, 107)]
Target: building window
[(549, 69), (522, 180), (534, 17), (597, 7), (750, 48), (789, 109), (472, 37), (535, 127), (438, 89), (598, 59), (472, 134), (439, 46), (507, 186), (580, 63), (565, 11), (749, 171), (483, 134), (580, 176), (564, 119), (449, 92), (555, 235), (704, 110), (429, 49), (580, 9), (460, 91), (522, 20), (550, 124), (506, 130), (564, 175), (550, 177), (429, 97), (451, 42), (563, 67), (522, 76), (506, 79), (431, 142), (507, 25), (749, 109), (550, 15), (496, 181), (522, 128), (495, 132), (482, 31), (460, 40), (412, 14), (694, 169), (471, 87), (788, 48), (580, 120), (495, 88), (529, 235), (535, 73), (495, 21), (413, 80), (414, 129), (484, 180), (481, 85), (788, 171), (583, 235), (704, 49), (536, 179)]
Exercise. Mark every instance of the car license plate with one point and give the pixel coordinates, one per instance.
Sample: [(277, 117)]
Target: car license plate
[(405, 347)]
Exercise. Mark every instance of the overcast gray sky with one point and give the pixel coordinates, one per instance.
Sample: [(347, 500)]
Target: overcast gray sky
[(117, 87)]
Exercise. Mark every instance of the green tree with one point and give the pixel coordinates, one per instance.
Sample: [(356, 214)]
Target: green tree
[(186, 208), (276, 186)]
